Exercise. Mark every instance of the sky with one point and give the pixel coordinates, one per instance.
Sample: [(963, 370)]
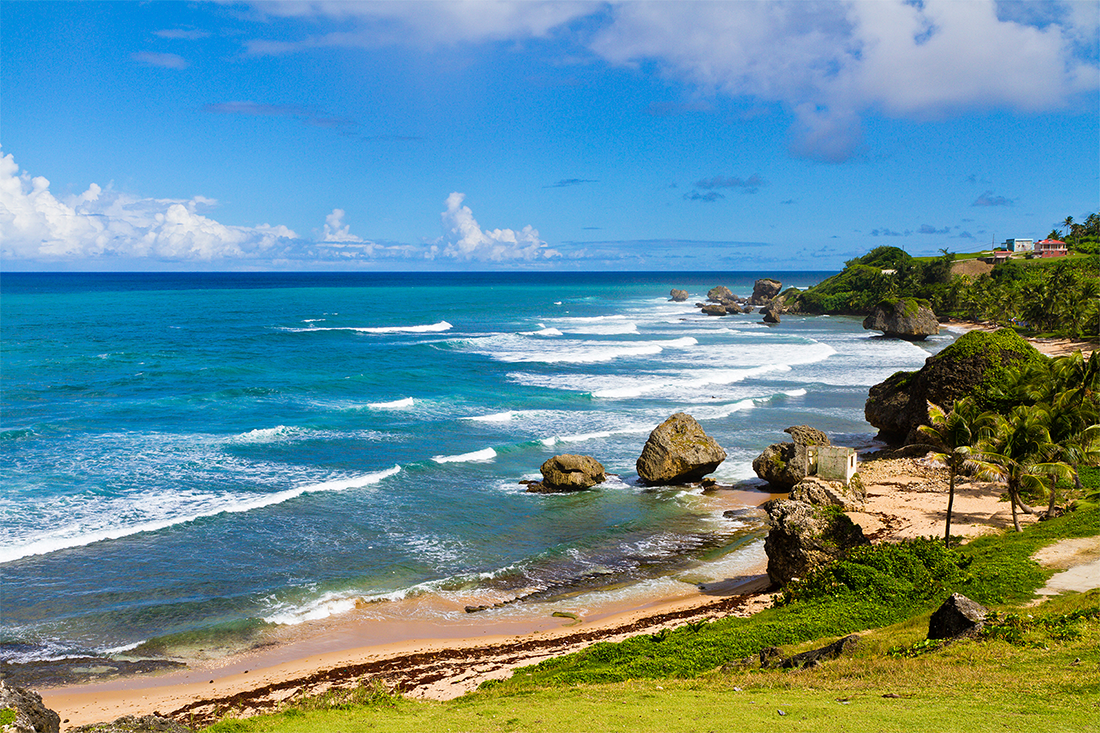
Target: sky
[(526, 135)]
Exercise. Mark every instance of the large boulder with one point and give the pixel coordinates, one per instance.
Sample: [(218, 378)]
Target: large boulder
[(678, 451), (764, 290), (785, 464), (678, 296), (720, 294), (907, 318), (568, 472), (28, 714), (957, 615), (714, 309), (819, 492), (803, 537), (974, 365)]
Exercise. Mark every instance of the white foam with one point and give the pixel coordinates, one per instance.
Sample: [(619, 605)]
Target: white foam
[(518, 349), (554, 440), (400, 404), (265, 435), (327, 605), (498, 417), (612, 329), (73, 535), (795, 393), (487, 454), (427, 328)]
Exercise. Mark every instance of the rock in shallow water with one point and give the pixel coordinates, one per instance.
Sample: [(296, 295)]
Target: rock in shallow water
[(571, 472), (678, 452)]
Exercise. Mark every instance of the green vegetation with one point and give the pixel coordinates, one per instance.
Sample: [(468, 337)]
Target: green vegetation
[(1057, 296), (7, 716), (1032, 670)]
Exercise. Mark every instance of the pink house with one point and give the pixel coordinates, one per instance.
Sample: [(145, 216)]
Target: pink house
[(1051, 248)]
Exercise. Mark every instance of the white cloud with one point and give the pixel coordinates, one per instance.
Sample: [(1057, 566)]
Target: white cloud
[(828, 62), (464, 239), (37, 226), (336, 230), (164, 60)]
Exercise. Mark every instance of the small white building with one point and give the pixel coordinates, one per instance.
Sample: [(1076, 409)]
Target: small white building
[(1020, 245), (831, 462)]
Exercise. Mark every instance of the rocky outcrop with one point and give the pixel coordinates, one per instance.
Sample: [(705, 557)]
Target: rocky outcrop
[(973, 365), (134, 724), (714, 309), (568, 472), (28, 714), (764, 290), (785, 464), (720, 294), (819, 492), (678, 451), (907, 318), (772, 657), (958, 615), (678, 296), (770, 316), (803, 537)]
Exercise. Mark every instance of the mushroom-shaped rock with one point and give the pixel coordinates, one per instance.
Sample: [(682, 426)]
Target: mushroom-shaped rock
[(958, 615), (765, 289), (803, 537), (907, 318), (571, 472), (678, 451), (678, 296), (28, 714)]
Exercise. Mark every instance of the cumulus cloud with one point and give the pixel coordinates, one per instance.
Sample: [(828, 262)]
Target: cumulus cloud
[(36, 225), (827, 62), (464, 239), (336, 230)]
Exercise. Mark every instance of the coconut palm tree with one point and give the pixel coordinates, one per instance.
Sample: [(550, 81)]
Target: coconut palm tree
[(957, 431)]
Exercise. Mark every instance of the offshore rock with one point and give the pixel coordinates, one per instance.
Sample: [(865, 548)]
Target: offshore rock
[(134, 724), (31, 716), (764, 290), (803, 537), (720, 294), (973, 365), (770, 316), (678, 296), (907, 318), (958, 615), (785, 464), (571, 472), (678, 451), (713, 309)]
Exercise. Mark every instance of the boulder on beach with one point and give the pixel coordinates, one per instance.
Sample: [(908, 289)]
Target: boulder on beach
[(678, 451), (28, 714), (974, 365), (957, 615), (764, 290), (803, 537), (568, 472), (911, 319), (785, 464), (678, 296)]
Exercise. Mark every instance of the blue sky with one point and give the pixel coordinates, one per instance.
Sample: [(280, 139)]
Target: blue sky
[(485, 135)]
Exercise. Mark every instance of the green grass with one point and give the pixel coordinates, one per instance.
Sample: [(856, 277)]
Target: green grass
[(1036, 672)]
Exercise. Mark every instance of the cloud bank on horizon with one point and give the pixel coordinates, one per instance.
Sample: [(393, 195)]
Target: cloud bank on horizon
[(825, 70)]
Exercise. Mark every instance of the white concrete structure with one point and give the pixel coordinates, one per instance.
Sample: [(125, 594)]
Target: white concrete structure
[(831, 462), (1020, 245)]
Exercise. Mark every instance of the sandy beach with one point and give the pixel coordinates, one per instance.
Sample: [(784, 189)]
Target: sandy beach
[(906, 498), (1048, 346)]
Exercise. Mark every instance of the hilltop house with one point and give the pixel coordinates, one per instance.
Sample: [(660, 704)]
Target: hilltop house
[(1051, 248), (1019, 245)]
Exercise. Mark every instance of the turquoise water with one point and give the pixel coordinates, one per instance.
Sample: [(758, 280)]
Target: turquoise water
[(201, 451)]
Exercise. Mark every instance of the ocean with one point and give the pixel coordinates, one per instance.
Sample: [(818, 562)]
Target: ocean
[(192, 460)]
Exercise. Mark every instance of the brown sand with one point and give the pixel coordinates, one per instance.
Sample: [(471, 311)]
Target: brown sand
[(1048, 346)]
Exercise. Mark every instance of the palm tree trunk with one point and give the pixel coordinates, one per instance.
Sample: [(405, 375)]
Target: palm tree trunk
[(950, 502), (1053, 496), (1013, 499)]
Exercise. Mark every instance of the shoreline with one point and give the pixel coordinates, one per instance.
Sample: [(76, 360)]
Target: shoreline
[(1048, 346)]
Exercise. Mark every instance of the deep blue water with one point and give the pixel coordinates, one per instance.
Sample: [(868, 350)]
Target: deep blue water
[(193, 451)]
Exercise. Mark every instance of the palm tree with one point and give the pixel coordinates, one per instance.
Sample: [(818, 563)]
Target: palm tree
[(957, 431), (1012, 448)]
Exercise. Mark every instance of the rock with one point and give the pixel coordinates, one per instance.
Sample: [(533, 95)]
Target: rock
[(712, 309), (785, 464), (770, 316), (973, 365), (134, 724), (678, 452), (678, 296), (908, 318), (819, 492), (764, 290), (720, 294), (31, 716), (804, 537), (958, 615), (570, 472), (772, 657)]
